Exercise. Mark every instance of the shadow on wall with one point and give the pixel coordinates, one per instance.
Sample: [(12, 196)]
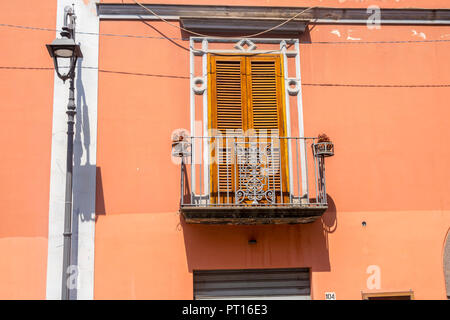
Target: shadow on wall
[(99, 197), (305, 37), (329, 219), (83, 170), (210, 247)]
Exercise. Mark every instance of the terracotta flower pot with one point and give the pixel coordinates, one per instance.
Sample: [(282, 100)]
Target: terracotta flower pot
[(325, 149)]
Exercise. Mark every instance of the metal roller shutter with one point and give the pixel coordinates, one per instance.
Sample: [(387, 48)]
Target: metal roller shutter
[(292, 284)]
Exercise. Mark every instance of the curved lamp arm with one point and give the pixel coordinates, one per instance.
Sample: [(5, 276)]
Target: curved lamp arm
[(68, 13)]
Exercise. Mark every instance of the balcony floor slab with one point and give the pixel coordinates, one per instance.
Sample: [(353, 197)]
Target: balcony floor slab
[(235, 215)]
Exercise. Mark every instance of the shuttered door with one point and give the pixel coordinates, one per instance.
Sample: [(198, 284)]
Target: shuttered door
[(266, 116), (228, 109), (268, 284), (246, 93)]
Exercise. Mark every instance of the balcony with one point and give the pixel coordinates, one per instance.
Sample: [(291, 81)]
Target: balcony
[(252, 179)]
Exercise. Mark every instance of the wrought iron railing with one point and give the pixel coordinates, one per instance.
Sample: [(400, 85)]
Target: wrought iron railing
[(255, 171)]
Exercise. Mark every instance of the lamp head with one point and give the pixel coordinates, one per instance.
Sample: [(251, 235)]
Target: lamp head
[(64, 48)]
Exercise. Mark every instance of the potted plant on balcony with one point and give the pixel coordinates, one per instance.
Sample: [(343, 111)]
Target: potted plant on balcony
[(323, 147), (180, 145)]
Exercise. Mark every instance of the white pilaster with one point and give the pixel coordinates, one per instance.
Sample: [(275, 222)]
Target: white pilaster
[(84, 172)]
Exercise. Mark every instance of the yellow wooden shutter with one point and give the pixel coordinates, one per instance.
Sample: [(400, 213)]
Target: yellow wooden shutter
[(266, 116), (265, 95), (228, 113), (245, 93), (229, 93)]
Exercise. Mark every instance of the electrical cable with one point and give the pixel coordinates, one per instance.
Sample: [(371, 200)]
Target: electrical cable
[(186, 78), (248, 36), (205, 35), (184, 39), (377, 85)]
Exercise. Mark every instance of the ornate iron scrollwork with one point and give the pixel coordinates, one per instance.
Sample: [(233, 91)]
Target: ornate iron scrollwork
[(253, 164)]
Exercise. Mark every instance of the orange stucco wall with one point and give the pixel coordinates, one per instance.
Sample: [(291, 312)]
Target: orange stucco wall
[(25, 138), (389, 169)]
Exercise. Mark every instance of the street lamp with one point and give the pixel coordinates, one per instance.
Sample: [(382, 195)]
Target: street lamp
[(65, 48)]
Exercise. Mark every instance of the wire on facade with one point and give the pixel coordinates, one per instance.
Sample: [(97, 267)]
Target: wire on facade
[(184, 39), (377, 85), (303, 84), (205, 35)]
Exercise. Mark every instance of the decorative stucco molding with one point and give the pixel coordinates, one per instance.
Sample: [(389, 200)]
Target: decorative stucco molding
[(411, 16)]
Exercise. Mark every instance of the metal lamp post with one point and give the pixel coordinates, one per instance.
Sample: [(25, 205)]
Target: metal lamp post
[(66, 49)]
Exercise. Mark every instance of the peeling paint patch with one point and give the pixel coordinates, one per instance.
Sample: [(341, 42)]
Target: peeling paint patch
[(420, 34), (350, 37), (336, 32)]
